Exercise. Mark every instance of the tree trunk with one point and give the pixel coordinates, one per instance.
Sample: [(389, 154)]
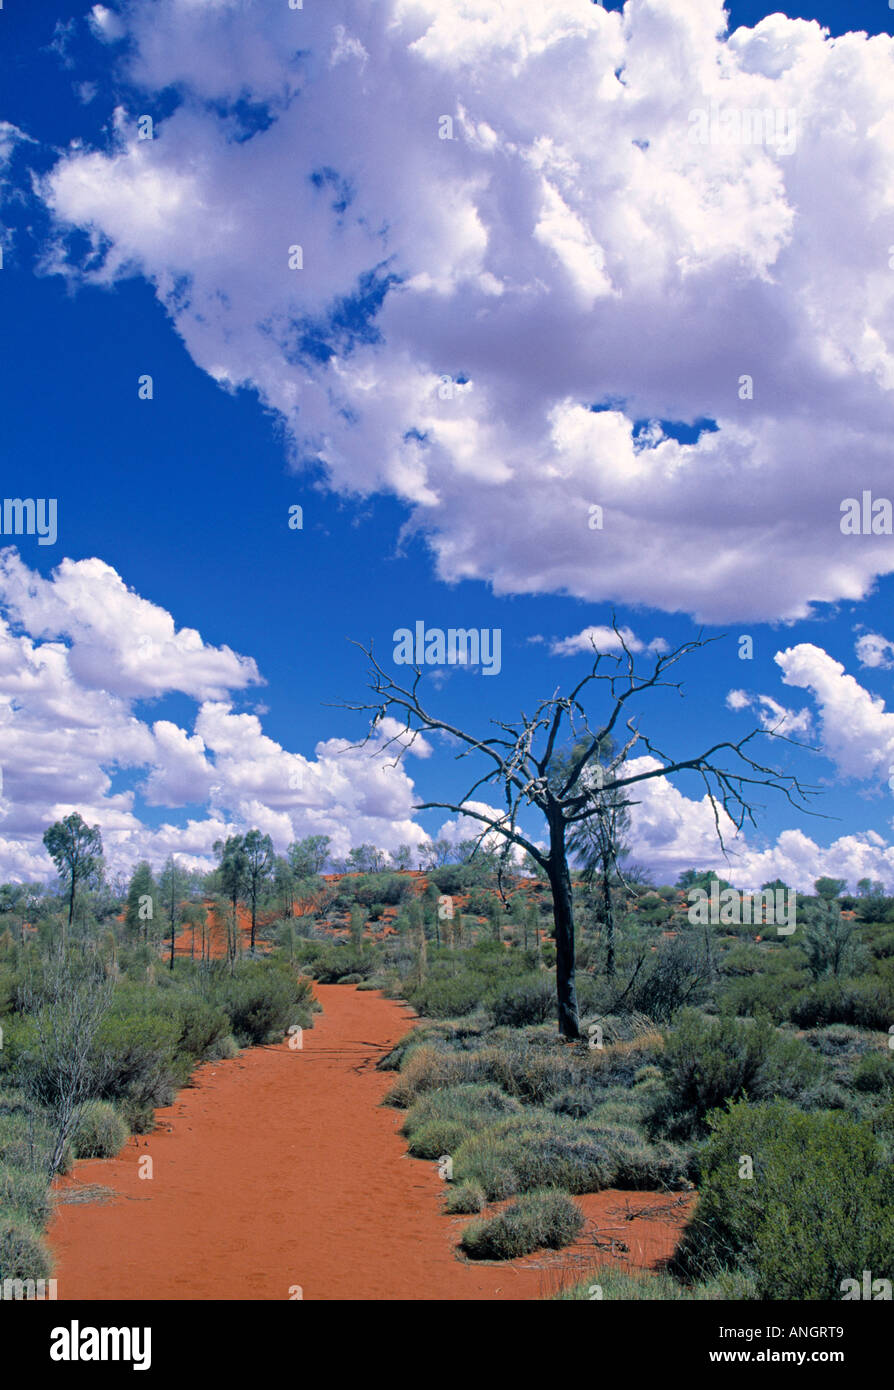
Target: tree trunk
[(71, 904), (608, 914), (563, 917), (253, 919), (233, 935)]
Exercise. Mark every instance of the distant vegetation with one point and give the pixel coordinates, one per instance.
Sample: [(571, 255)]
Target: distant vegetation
[(700, 1046), (102, 1020)]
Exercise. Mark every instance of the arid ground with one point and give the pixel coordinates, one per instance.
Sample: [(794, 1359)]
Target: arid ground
[(281, 1171)]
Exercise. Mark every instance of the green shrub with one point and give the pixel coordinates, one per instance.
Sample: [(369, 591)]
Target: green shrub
[(865, 1003), (140, 1119), (642, 1165), (570, 1101), (464, 1199), (528, 1064), (839, 1042), (135, 1059), (224, 1049), (23, 1254), (439, 1122), (537, 1149), (352, 979), (262, 1002), (437, 1137), (768, 993), (100, 1132), (470, 1105), (607, 1283), (817, 1210), (27, 1141), (202, 1026), (525, 1001), (25, 1191), (451, 878), (448, 996), (676, 975), (537, 1221), (707, 1062), (874, 1072), (330, 963)]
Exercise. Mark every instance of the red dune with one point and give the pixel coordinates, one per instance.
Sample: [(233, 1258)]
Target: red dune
[(281, 1170)]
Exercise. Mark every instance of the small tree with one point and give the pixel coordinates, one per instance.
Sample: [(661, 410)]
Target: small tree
[(284, 885), (259, 857), (76, 850), (308, 856), (141, 901), (830, 888), (599, 840), (829, 942), (435, 854), (402, 857), (170, 888), (233, 871), (366, 859), (194, 916)]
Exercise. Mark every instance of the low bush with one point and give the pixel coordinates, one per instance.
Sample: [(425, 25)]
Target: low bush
[(537, 1221), (439, 1136), (538, 1149), (25, 1191), (100, 1132), (635, 1284), (529, 1000), (135, 1060), (818, 1209), (464, 1199), (864, 1003), (27, 1141), (448, 996), (262, 1002), (529, 1064), (707, 1062), (874, 1072), (329, 963), (472, 1105), (23, 1255)]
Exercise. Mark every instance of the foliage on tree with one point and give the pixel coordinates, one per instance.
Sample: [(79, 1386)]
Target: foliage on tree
[(76, 850)]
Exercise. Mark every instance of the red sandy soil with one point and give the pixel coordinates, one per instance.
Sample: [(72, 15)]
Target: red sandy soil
[(280, 1168)]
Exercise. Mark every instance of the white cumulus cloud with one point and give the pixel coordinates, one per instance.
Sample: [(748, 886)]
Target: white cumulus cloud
[(567, 247)]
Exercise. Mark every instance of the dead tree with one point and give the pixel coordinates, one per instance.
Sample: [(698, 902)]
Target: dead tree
[(521, 759)]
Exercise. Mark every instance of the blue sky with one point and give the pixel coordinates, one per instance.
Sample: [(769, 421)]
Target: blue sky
[(186, 496)]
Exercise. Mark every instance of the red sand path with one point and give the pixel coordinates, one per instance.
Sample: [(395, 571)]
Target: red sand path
[(281, 1168)]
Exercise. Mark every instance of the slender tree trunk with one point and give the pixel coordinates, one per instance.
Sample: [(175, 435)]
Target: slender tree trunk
[(609, 915), (173, 913), (254, 904), (563, 917), (71, 905)]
